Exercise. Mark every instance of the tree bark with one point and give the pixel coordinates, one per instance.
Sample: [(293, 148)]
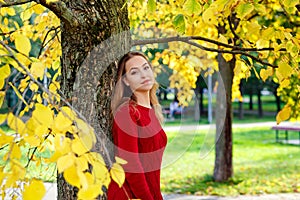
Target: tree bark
[(277, 98), (223, 162), (250, 100), (89, 52), (259, 102)]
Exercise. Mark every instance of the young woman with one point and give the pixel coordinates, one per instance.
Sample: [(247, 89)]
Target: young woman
[(137, 133)]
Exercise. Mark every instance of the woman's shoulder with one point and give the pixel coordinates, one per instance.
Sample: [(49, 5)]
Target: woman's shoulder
[(127, 109)]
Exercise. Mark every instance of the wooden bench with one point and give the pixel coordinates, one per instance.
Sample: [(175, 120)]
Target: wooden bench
[(166, 112), (286, 129)]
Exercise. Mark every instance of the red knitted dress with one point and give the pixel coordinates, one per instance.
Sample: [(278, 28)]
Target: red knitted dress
[(140, 140)]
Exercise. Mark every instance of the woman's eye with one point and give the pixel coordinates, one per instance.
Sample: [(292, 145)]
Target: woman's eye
[(133, 72), (147, 67)]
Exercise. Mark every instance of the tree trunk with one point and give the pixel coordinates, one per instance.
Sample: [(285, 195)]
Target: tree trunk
[(201, 102), (251, 100), (89, 52), (241, 110), (260, 109), (277, 101), (223, 162)]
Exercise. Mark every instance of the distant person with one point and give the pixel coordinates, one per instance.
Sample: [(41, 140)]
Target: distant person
[(174, 107)]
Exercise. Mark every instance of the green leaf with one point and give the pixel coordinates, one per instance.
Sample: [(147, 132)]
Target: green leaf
[(290, 3), (179, 23), (192, 7), (244, 9), (151, 6)]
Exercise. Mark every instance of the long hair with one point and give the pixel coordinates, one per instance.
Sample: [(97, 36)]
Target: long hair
[(123, 94)]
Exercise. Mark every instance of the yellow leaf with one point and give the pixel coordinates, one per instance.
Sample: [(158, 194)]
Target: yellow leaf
[(61, 123), (23, 44), (11, 11), (39, 9), (227, 56), (222, 39), (16, 124), (51, 1), (284, 69), (86, 133), (16, 152), (41, 131), (5, 71), (260, 8), (209, 16), (99, 170), (43, 115), (192, 7), (62, 144), (261, 43), (71, 176), (5, 138), (285, 83), (284, 114), (26, 14), (78, 147), (265, 73), (117, 174), (54, 157), (18, 93), (32, 140), (2, 96), (243, 10), (82, 163), (33, 87), (35, 191), (65, 162), (68, 112), (120, 160), (37, 69), (90, 193)]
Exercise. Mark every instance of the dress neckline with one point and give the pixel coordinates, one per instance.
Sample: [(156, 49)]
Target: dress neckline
[(143, 107)]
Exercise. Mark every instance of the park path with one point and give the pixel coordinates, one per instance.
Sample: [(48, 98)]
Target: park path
[(52, 193)]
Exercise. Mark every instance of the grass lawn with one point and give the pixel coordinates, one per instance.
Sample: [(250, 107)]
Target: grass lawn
[(260, 164)]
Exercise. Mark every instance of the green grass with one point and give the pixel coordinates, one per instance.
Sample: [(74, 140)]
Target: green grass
[(260, 164)]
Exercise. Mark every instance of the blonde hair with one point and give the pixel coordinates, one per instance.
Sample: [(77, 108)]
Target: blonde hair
[(123, 94)]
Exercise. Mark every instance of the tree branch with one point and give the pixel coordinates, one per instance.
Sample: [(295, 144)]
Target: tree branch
[(188, 38), (234, 49), (60, 9), (234, 52), (44, 40), (9, 3)]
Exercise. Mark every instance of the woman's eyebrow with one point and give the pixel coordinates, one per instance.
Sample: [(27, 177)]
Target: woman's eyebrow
[(139, 66)]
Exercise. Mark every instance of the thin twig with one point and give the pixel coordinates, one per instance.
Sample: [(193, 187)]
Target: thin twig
[(9, 3)]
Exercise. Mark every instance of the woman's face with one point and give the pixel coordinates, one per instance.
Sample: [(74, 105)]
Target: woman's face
[(139, 75)]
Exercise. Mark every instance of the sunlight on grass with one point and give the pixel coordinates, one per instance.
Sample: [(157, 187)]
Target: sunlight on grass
[(260, 166)]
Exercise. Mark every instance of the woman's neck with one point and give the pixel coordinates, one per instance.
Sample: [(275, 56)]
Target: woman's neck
[(143, 99)]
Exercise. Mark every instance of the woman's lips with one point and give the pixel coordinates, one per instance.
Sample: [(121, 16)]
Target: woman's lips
[(146, 82)]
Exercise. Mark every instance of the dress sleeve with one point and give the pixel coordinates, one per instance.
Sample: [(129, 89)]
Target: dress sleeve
[(125, 132)]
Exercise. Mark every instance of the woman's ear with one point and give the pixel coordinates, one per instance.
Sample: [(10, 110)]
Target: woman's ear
[(125, 81)]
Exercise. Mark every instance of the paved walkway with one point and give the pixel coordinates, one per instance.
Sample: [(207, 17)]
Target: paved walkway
[(282, 196), (51, 194)]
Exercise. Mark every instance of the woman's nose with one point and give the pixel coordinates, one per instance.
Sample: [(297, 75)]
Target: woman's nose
[(143, 74)]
